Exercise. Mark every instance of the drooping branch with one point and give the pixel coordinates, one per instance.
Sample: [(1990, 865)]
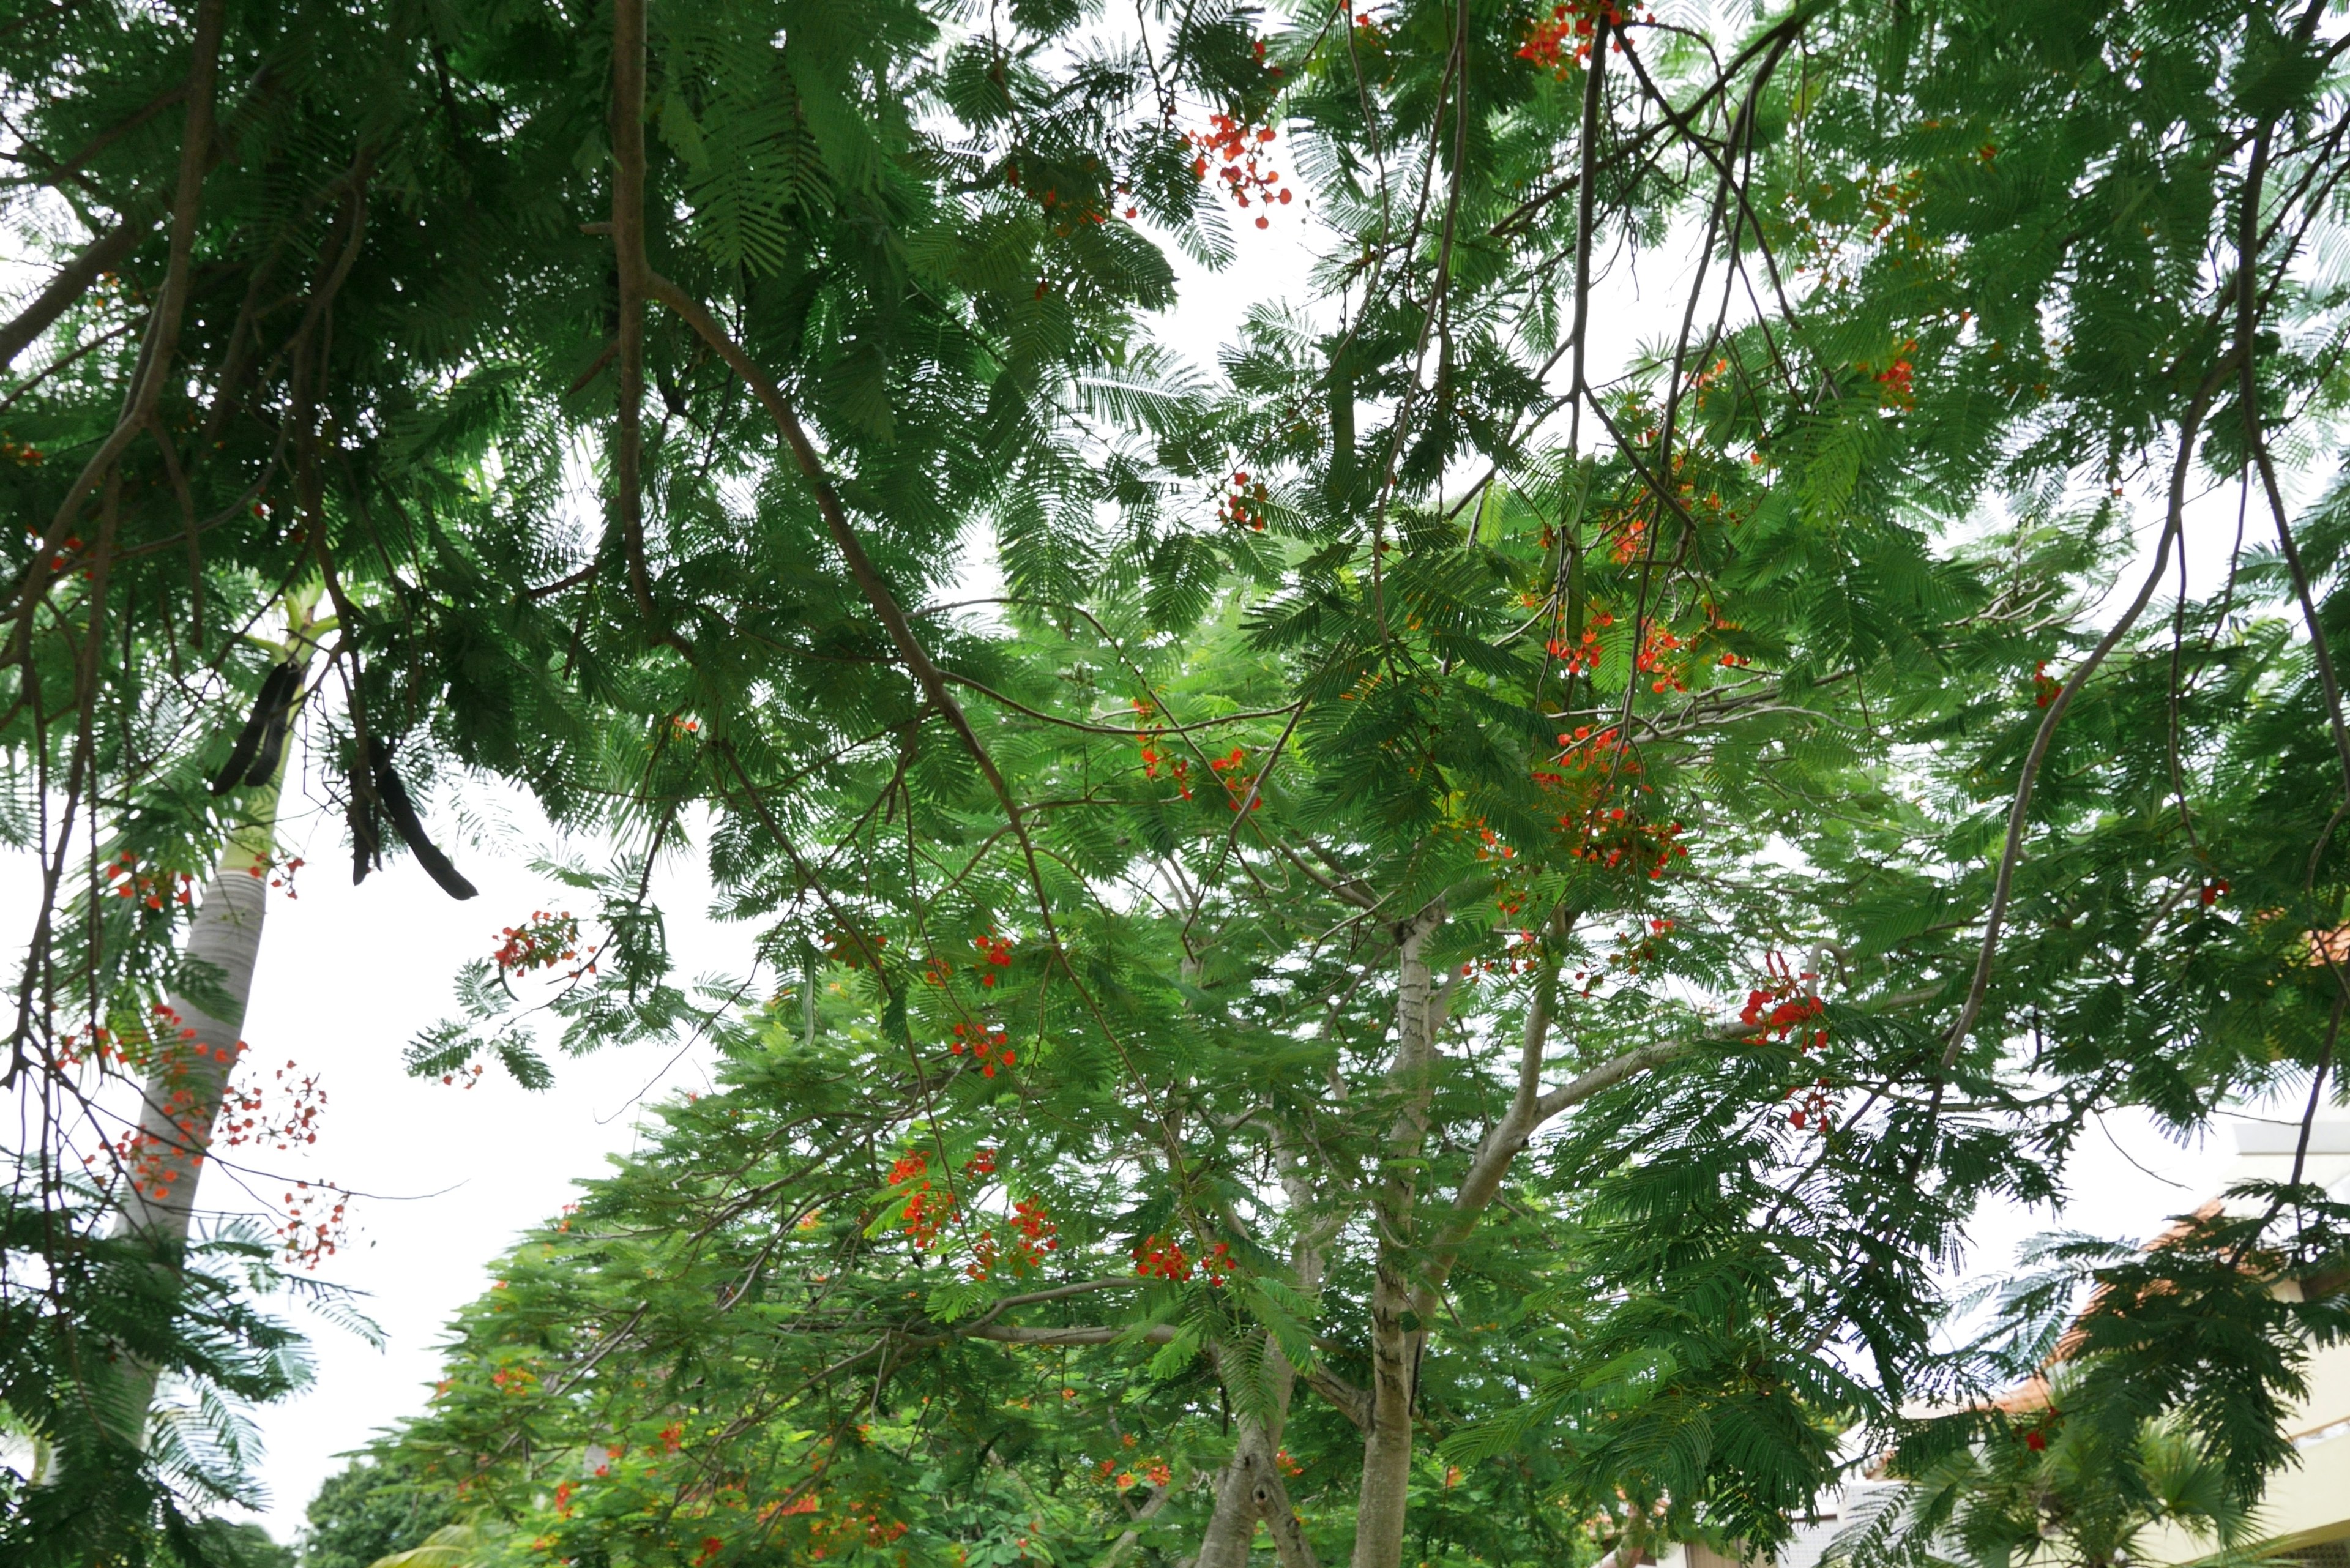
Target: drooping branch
[(628, 248), (2190, 427)]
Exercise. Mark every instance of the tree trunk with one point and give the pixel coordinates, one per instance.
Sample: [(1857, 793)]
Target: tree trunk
[(1397, 1331), (188, 1076), (1241, 1495), (196, 1051)]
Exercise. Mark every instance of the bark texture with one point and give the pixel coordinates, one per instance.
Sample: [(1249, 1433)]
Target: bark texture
[(1397, 1326)]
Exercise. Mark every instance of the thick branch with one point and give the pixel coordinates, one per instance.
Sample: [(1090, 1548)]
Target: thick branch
[(103, 254), (1090, 1334), (1350, 1401)]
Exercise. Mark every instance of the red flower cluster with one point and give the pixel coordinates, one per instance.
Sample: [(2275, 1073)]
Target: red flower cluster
[(996, 953), (1239, 149), (1588, 770), (2044, 686), (124, 880), (1576, 657), (1813, 1110), (1034, 1235), (1153, 759), (928, 1212), (1156, 1471), (1562, 39), (985, 1046), (297, 1124), (286, 869), (1656, 642), (1245, 502), (1785, 1004), (1064, 213), (543, 941), (1158, 1258), (2213, 892), (312, 1232), (71, 547), (1231, 772)]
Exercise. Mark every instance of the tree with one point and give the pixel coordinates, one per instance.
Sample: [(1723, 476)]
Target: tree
[(369, 1510), (1736, 687), (1414, 644)]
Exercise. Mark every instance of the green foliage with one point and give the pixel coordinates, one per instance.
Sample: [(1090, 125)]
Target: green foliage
[(2062, 1486), (369, 1510), (1461, 942), (91, 1493)]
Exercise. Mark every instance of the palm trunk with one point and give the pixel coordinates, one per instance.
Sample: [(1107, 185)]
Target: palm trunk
[(187, 1078), (195, 1050)]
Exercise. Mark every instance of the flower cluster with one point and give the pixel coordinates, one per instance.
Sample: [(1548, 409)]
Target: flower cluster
[(543, 941), (1236, 152), (1157, 760), (125, 880), (279, 872), (1034, 1234), (1066, 213), (1588, 770), (1518, 956), (312, 1229), (1245, 502), (1656, 643), (928, 1213), (69, 549), (297, 1124), (23, 456), (2044, 686), (1785, 1004), (1562, 40), (994, 951), (1812, 1110), (1153, 1470), (1579, 657), (984, 1046), (1231, 772), (1159, 1258)]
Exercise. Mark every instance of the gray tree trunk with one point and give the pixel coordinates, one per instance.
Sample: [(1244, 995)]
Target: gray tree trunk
[(1397, 1331)]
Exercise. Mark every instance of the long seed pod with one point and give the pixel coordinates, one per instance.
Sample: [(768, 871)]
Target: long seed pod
[(367, 833), (281, 719), (404, 822), (268, 715)]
